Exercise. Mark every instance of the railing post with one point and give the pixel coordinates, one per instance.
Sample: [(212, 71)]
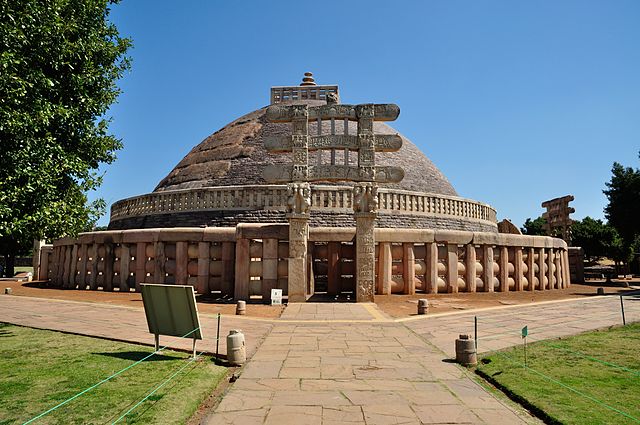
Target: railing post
[(470, 267)]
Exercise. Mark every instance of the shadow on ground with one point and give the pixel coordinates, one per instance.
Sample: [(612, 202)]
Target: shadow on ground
[(139, 355)]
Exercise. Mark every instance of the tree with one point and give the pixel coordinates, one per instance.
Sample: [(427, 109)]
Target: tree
[(623, 209), (534, 227), (59, 64), (598, 239)]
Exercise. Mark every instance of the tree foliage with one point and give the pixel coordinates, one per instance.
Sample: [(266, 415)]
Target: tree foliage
[(59, 64), (534, 227), (598, 239), (623, 209)]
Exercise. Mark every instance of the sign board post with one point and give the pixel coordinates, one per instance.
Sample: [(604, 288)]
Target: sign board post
[(276, 297), (171, 310), (525, 332)]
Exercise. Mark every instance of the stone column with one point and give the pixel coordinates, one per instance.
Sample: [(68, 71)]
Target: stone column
[(541, 272), (452, 268), (107, 273), (182, 262), (530, 271), (504, 269), (125, 259), (487, 268), (550, 274), (365, 206), (228, 268), (159, 260), (518, 272), (558, 264), (470, 268), (409, 268), (37, 250), (298, 204), (431, 260), (297, 261), (82, 277), (203, 267), (242, 276), (141, 263), (269, 268), (93, 278), (44, 265), (384, 268)]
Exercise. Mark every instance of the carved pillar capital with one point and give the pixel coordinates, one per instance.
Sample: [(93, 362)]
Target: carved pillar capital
[(298, 199), (365, 198)]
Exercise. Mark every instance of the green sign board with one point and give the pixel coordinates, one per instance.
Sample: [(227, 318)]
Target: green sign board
[(171, 310), (525, 332)]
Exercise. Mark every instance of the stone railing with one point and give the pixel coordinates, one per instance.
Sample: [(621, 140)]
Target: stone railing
[(274, 197), (251, 259)]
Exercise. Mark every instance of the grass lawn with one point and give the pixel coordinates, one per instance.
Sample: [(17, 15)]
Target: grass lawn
[(603, 366), (39, 369)]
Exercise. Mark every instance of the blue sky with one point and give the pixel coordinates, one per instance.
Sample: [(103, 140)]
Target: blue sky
[(516, 102)]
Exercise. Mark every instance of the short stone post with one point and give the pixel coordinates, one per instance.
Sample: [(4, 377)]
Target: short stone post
[(423, 306)]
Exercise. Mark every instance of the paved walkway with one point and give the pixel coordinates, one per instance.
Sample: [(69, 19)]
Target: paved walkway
[(501, 327), (121, 323), (346, 363), (378, 373)]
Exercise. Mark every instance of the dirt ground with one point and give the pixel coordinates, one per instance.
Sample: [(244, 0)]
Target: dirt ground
[(393, 305), (407, 305), (133, 299)]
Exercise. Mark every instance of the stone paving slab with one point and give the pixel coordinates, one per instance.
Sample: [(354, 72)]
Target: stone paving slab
[(331, 311), (375, 373), (500, 328), (121, 323)]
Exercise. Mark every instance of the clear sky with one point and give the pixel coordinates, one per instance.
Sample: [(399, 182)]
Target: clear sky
[(516, 102)]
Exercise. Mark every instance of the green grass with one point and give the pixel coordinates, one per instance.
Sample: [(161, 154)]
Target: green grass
[(23, 269), (39, 369), (603, 366)]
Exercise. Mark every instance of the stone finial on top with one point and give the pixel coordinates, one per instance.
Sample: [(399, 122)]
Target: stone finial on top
[(307, 90), (308, 80)]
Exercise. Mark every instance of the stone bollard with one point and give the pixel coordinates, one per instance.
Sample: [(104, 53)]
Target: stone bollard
[(8, 291), (236, 350), (423, 306), (466, 351), (600, 291), (241, 308)]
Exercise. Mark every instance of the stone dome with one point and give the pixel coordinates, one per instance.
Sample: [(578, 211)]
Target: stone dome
[(220, 182), (235, 155)]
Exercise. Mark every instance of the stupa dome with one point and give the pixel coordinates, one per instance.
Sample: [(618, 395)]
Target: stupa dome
[(235, 155), (220, 182)]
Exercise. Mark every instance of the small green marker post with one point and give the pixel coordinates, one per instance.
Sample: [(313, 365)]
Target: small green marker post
[(525, 332)]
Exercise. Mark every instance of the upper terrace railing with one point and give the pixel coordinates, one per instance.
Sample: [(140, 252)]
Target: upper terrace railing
[(274, 197)]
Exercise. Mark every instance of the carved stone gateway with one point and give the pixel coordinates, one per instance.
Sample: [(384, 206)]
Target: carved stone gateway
[(557, 215), (365, 174)]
